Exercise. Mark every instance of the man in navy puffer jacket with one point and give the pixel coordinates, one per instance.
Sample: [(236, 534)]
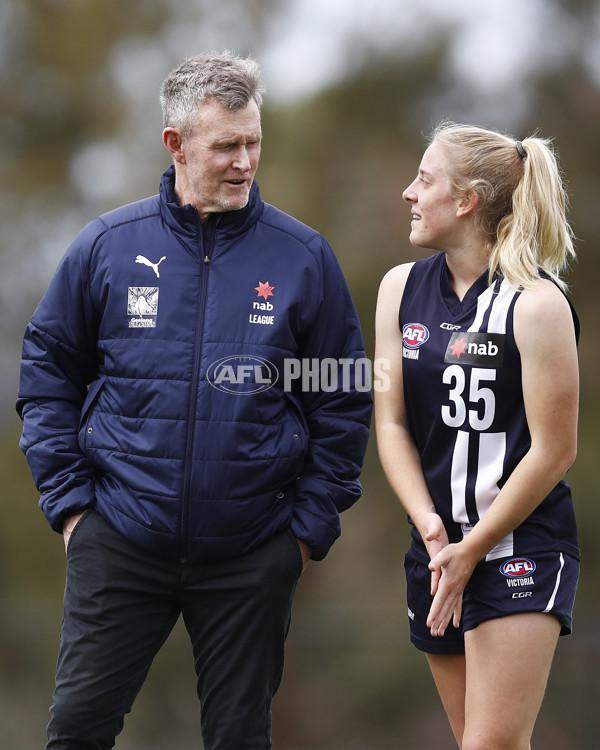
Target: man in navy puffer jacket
[(195, 415)]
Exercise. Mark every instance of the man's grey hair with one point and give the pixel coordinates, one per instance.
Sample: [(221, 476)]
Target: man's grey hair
[(230, 79)]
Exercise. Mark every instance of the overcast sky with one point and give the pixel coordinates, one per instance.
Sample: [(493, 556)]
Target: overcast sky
[(310, 44), (308, 41), (495, 41)]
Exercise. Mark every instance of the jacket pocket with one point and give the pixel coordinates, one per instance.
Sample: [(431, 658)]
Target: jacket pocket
[(85, 425), (297, 415)]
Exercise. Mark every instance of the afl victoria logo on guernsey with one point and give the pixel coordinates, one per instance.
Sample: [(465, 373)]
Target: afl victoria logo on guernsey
[(414, 335), (517, 567)]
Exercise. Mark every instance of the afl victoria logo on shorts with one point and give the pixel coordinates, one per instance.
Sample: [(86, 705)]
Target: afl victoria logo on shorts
[(517, 567)]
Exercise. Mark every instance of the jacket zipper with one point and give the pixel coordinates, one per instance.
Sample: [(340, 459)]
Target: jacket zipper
[(206, 244)]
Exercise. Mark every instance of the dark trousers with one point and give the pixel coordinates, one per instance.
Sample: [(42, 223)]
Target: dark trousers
[(121, 603)]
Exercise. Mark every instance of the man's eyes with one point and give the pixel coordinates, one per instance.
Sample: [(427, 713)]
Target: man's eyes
[(225, 146)]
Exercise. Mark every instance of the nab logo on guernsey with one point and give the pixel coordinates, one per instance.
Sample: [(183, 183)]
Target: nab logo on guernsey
[(516, 567), (474, 348), (242, 375)]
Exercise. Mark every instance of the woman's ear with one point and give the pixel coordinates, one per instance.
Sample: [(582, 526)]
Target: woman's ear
[(468, 203)]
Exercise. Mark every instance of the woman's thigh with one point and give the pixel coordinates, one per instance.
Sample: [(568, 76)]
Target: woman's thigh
[(448, 672), (508, 661)]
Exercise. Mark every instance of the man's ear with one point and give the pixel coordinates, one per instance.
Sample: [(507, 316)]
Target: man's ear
[(468, 203), (174, 144)]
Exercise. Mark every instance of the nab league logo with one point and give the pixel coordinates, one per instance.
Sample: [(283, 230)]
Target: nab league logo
[(262, 310)]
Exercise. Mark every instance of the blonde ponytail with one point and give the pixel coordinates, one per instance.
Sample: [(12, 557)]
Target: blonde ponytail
[(522, 201)]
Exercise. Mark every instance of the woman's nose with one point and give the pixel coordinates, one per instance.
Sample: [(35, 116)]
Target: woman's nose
[(408, 193)]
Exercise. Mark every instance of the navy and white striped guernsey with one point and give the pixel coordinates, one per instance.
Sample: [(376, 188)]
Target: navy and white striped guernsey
[(464, 403)]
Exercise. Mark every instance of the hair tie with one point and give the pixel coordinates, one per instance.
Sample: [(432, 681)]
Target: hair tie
[(521, 150)]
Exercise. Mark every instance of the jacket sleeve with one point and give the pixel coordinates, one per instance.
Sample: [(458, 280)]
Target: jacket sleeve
[(58, 363), (337, 409)]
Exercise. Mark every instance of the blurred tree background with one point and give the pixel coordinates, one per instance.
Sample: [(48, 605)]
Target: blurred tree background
[(354, 85)]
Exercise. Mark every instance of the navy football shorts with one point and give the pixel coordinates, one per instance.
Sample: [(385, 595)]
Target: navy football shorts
[(544, 582)]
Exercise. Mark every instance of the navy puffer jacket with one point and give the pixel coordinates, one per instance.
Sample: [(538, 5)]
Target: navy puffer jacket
[(153, 381)]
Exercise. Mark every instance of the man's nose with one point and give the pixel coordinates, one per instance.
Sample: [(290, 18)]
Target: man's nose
[(242, 159)]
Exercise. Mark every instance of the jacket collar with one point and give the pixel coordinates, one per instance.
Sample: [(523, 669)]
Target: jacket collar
[(185, 218)]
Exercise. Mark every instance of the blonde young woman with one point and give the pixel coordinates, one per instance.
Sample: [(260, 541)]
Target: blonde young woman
[(479, 425)]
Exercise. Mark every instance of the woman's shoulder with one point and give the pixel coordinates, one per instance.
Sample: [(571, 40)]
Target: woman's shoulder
[(389, 298), (396, 280), (541, 298), (396, 277), (543, 309)]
